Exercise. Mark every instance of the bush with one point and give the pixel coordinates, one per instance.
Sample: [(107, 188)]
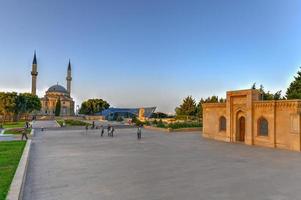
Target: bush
[(147, 123), (60, 122), (160, 124), (178, 125), (185, 125), (137, 121), (71, 122)]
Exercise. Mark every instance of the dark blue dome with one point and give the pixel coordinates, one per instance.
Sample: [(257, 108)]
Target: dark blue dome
[(57, 88)]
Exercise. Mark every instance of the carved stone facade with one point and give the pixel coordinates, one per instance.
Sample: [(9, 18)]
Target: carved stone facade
[(252, 121)]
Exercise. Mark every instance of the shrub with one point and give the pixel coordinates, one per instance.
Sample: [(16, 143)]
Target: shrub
[(60, 122), (137, 121), (71, 122), (185, 125)]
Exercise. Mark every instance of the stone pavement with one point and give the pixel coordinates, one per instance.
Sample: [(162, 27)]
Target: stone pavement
[(67, 164), (45, 124)]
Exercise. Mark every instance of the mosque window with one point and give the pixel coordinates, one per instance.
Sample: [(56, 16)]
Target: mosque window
[(263, 127), (222, 123)]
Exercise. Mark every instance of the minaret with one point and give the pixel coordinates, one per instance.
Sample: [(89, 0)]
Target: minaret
[(69, 78), (34, 74)]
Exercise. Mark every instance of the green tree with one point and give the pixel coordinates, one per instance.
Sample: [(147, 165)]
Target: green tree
[(8, 104), (92, 106), (294, 90), (159, 115), (267, 95), (200, 108), (187, 108), (58, 107), (27, 103), (12, 105), (212, 99)]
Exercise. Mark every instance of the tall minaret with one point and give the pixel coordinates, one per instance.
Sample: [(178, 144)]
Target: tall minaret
[(69, 78), (34, 74)]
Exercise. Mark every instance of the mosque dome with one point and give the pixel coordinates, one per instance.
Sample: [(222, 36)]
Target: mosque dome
[(57, 88)]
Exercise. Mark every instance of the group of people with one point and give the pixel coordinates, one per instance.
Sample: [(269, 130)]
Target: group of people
[(110, 130)]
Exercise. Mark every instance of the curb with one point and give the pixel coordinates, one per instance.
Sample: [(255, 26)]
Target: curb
[(57, 123), (16, 188), (32, 132)]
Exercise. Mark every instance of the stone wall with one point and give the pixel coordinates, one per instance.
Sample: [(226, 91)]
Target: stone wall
[(284, 123), (211, 115), (283, 117)]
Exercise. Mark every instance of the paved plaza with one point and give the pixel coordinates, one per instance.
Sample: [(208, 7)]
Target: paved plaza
[(67, 164), (45, 124)]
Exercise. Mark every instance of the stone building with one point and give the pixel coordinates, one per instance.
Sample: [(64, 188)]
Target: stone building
[(54, 93), (245, 118)]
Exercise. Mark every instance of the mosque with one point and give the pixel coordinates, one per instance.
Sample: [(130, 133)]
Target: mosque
[(54, 93)]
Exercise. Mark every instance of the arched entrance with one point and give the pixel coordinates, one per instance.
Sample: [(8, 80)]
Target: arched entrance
[(241, 129)]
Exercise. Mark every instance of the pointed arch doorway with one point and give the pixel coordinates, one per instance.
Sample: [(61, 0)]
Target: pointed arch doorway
[(241, 129)]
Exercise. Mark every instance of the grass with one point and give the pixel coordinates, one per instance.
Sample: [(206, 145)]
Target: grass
[(10, 155), (19, 124), (60, 122), (16, 131), (72, 122)]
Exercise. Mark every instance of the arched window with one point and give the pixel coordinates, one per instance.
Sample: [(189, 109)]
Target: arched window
[(263, 127), (222, 123)]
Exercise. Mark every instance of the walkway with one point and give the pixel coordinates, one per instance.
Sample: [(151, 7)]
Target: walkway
[(67, 164), (45, 124)]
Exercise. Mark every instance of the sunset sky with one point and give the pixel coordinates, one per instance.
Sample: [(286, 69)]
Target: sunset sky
[(136, 53)]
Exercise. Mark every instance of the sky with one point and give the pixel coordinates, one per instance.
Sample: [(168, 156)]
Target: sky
[(136, 53)]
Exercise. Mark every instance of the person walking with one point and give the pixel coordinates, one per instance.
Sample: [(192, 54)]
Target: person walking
[(93, 125), (102, 131), (139, 133), (109, 129), (112, 131), (24, 134), (87, 127)]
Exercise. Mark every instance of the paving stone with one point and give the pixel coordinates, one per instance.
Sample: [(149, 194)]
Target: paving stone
[(67, 164)]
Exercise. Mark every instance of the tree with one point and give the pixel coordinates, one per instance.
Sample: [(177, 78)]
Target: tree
[(8, 104), (212, 99), (187, 108), (58, 107), (267, 95), (200, 108), (294, 90), (13, 105), (93, 106), (27, 103), (159, 115)]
